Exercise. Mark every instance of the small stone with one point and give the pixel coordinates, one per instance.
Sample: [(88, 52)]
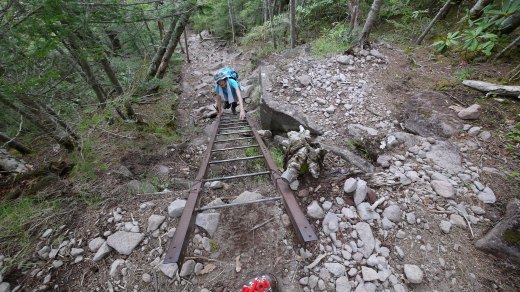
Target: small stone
[(198, 268), (147, 278), (215, 185), (125, 242), (330, 223), (457, 220), (43, 253), (116, 266), (393, 213), (487, 196), (187, 268), (5, 287), (484, 135), (154, 221), (335, 268), (208, 222), (168, 270), (473, 131), (445, 226), (315, 211), (95, 244), (369, 274), (76, 251), (470, 113), (400, 234), (443, 188), (343, 285), (304, 281), (176, 207), (47, 233), (413, 273), (102, 252), (361, 192), (350, 185), (57, 264)]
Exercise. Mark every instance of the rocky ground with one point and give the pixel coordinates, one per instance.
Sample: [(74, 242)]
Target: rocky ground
[(436, 187)]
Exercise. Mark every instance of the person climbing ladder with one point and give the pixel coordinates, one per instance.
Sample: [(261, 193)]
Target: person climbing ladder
[(227, 81)]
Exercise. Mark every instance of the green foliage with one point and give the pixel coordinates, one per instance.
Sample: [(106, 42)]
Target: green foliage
[(480, 36), (447, 42), (20, 226), (464, 74), (316, 15), (213, 244), (278, 156), (169, 136), (333, 41), (92, 200), (257, 164), (514, 134), (87, 162)]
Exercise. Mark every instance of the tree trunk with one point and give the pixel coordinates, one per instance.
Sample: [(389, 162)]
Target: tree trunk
[(434, 20), (271, 18), (74, 50), (265, 6), (107, 67), (44, 120), (12, 143), (160, 25), (156, 60), (476, 10), (232, 19), (512, 44), (371, 19), (114, 40), (186, 45), (179, 28), (292, 8), (510, 23), (353, 6)]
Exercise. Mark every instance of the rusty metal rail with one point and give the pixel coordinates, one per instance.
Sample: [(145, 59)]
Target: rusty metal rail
[(180, 240)]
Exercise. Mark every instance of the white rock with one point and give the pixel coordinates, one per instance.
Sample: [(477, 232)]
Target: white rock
[(470, 113), (364, 232), (487, 196), (330, 223), (95, 244), (336, 269), (102, 252), (147, 278), (76, 251), (315, 211), (208, 222), (393, 213), (443, 188), (445, 226), (168, 270), (361, 192), (57, 264), (154, 221), (350, 185), (125, 242), (369, 274), (5, 287), (247, 196), (115, 268), (187, 268), (47, 233), (215, 185), (176, 207), (413, 273), (43, 253)]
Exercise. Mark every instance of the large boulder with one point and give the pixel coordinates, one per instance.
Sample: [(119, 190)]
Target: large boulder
[(277, 116), (427, 114), (504, 238)]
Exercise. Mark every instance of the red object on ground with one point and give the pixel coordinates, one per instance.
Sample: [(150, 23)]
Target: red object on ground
[(259, 285)]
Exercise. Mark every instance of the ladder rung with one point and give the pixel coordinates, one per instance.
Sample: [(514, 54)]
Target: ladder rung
[(237, 176), (236, 132), (238, 147), (238, 204), (229, 140), (228, 128), (235, 159)]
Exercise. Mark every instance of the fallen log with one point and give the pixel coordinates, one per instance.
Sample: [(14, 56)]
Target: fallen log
[(492, 88), (348, 155)]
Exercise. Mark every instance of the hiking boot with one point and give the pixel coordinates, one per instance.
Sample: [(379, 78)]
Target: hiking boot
[(227, 105), (266, 282)]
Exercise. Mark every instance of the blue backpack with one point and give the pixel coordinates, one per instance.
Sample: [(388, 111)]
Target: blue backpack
[(227, 72)]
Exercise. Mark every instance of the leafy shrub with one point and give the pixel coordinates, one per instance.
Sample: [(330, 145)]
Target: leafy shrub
[(333, 41)]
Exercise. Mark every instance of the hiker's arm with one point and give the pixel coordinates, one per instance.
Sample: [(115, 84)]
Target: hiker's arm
[(218, 102), (240, 103)]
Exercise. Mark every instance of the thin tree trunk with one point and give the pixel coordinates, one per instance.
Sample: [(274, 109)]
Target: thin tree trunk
[(160, 25), (43, 120), (371, 19), (186, 45), (271, 18), (156, 60), (441, 12), (231, 19), (107, 67), (476, 10), (150, 34), (114, 40), (179, 28), (73, 48), (512, 44), (510, 23), (12, 143), (353, 6), (292, 8), (265, 6)]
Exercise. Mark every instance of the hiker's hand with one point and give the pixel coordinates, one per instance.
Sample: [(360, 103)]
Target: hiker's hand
[(242, 115)]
